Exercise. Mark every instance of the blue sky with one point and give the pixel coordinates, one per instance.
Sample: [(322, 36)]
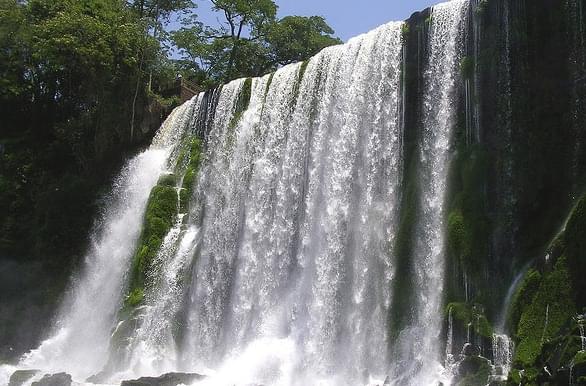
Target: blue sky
[(347, 17)]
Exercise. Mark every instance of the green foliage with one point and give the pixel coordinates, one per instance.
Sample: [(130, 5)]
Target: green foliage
[(73, 72), (249, 41), (297, 38), (551, 307)]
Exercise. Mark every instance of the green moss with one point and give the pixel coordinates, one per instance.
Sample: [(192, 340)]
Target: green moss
[(580, 358), (468, 225), (302, 69), (298, 81), (473, 314), (195, 154), (135, 297), (401, 310), (515, 377), (541, 320), (458, 237), (405, 31), (524, 296), (160, 214), (467, 67), (242, 103), (575, 250), (167, 180), (270, 81)]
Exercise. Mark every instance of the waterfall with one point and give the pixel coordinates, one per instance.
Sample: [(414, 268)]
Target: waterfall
[(419, 343), (300, 208), (280, 269), (502, 351), (449, 362), (79, 341)]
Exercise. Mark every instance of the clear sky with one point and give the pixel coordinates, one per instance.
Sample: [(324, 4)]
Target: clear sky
[(347, 17)]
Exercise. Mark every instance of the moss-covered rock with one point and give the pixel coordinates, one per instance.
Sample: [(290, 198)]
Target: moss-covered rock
[(575, 250), (473, 315), (524, 295), (473, 371), (195, 155), (168, 179), (159, 218), (242, 102), (550, 309)]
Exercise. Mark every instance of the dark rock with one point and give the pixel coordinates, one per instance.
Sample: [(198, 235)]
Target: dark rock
[(473, 370), (59, 379), (21, 376), (470, 350), (100, 377), (169, 379)]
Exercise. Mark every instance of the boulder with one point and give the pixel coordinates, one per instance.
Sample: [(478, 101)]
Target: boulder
[(473, 370), (169, 379), (59, 379), (21, 376)]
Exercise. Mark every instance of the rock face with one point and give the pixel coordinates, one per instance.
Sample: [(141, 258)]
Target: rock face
[(59, 379), (21, 376), (169, 379)]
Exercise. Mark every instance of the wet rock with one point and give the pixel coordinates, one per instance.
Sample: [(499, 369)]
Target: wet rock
[(473, 370), (470, 350), (21, 376), (169, 379), (59, 379)]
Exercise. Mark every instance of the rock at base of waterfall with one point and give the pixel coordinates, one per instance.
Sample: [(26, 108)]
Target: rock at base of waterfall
[(59, 379), (473, 370), (470, 350), (19, 377), (169, 379)]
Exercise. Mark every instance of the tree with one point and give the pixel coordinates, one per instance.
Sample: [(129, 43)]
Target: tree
[(249, 41), (296, 38)]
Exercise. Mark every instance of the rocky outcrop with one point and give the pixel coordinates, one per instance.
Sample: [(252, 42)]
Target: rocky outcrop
[(19, 377), (169, 379), (59, 379)]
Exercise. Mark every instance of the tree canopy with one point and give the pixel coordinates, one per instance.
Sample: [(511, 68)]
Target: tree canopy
[(249, 40)]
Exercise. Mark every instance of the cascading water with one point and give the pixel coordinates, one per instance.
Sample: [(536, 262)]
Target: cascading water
[(306, 221), (281, 271), (502, 352), (80, 339), (420, 342)]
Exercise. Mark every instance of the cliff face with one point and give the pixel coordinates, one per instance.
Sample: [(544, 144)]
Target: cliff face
[(519, 167)]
